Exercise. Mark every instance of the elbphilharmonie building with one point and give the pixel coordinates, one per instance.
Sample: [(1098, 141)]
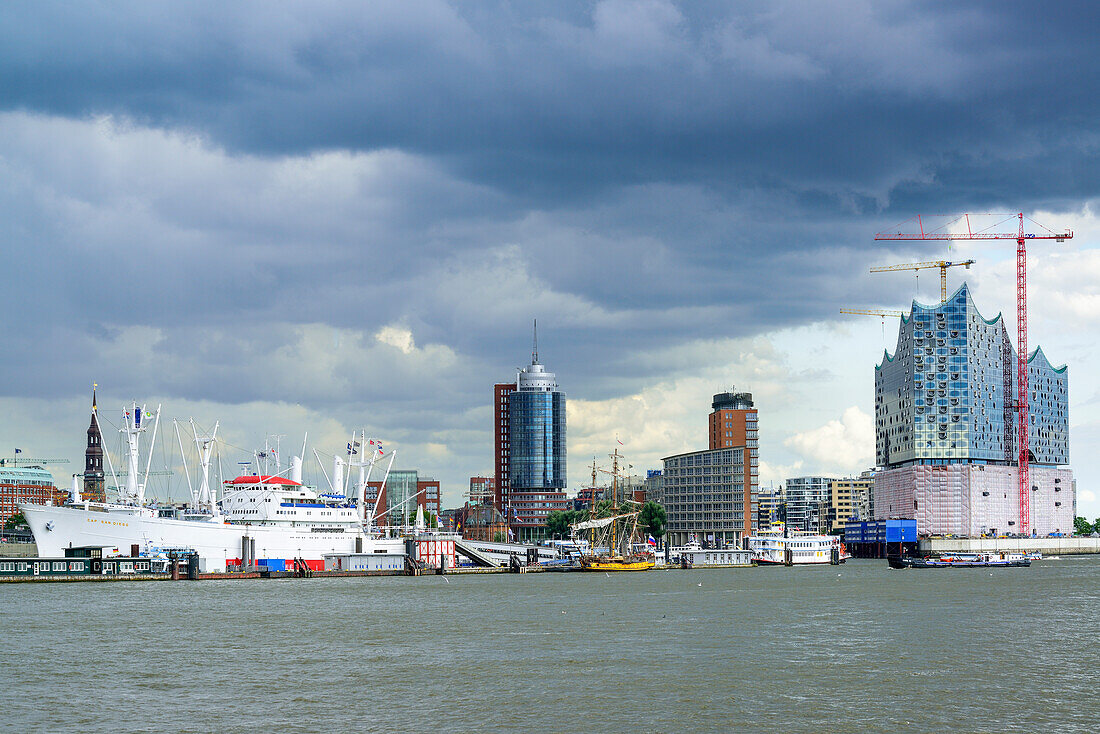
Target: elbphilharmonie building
[(946, 427)]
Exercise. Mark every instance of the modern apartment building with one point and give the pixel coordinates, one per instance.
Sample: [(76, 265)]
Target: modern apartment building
[(807, 500), (704, 495), (849, 499)]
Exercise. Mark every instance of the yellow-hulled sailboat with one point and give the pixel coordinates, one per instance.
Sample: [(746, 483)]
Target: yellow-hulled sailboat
[(611, 539)]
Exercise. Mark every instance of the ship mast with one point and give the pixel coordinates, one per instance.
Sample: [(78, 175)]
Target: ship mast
[(614, 498), (132, 428), (592, 496), (207, 495)]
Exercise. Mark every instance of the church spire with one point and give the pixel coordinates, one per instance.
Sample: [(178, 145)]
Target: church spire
[(94, 479)]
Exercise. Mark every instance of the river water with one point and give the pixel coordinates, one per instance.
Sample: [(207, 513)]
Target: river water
[(858, 647)]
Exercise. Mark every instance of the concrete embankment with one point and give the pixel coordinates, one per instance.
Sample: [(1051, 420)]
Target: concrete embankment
[(1046, 546)]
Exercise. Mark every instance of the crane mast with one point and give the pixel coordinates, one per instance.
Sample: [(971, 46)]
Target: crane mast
[(945, 232)]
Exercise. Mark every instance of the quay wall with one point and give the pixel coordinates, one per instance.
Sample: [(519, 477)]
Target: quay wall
[(1046, 546)]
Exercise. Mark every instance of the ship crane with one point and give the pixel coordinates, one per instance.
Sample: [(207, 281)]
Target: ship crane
[(943, 265), (952, 228)]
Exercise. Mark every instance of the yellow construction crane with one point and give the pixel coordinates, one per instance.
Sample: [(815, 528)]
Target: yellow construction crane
[(943, 265), (873, 312)]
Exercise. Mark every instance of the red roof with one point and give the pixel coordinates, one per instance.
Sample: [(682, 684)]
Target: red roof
[(253, 479)]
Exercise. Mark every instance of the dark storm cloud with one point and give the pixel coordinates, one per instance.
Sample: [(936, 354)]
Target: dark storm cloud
[(555, 104), (637, 173)]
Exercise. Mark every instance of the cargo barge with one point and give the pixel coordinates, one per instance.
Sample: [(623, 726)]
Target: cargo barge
[(961, 560)]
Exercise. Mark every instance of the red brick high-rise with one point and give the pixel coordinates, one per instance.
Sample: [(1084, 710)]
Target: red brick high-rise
[(501, 393), (733, 424)]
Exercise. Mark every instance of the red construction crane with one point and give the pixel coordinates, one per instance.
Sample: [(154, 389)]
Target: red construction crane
[(944, 232)]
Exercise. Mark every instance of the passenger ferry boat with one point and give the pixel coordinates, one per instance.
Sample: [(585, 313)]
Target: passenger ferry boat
[(782, 548), (261, 519)]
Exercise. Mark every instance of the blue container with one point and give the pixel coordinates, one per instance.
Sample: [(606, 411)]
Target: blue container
[(272, 564)]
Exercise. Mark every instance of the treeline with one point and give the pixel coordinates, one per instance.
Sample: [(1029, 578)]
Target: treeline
[(652, 519), (1081, 526)]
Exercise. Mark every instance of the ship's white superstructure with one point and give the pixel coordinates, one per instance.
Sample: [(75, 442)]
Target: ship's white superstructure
[(779, 547), (260, 519)]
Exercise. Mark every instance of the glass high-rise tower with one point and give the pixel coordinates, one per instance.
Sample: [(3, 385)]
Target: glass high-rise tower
[(536, 450)]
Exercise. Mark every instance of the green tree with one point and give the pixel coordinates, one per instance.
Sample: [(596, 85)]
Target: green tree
[(557, 522), (499, 537), (1081, 526), (15, 521), (560, 522), (653, 518)]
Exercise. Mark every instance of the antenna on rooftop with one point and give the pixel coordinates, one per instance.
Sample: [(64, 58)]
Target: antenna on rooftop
[(535, 344)]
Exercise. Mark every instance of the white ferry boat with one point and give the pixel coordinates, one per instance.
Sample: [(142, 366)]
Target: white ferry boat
[(261, 519), (780, 547)]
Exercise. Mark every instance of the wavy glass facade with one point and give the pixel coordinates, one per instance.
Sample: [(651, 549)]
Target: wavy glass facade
[(946, 428), (947, 393)]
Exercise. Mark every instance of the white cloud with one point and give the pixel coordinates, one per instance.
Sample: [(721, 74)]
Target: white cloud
[(846, 445), (396, 336)]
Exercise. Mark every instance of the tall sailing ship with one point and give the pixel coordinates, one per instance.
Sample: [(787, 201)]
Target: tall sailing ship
[(262, 516), (612, 540)]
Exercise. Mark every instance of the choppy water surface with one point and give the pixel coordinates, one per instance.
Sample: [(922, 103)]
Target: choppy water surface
[(854, 648)]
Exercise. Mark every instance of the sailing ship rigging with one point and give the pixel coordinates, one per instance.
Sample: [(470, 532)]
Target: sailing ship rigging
[(612, 539)]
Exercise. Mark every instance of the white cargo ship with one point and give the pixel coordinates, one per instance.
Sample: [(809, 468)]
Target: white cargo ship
[(781, 547), (261, 519)]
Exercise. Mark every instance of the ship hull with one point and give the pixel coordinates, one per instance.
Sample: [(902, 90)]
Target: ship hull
[(615, 565), (907, 562), (218, 544)]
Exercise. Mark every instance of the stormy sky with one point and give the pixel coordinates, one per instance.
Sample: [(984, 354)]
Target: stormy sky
[(317, 217)]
